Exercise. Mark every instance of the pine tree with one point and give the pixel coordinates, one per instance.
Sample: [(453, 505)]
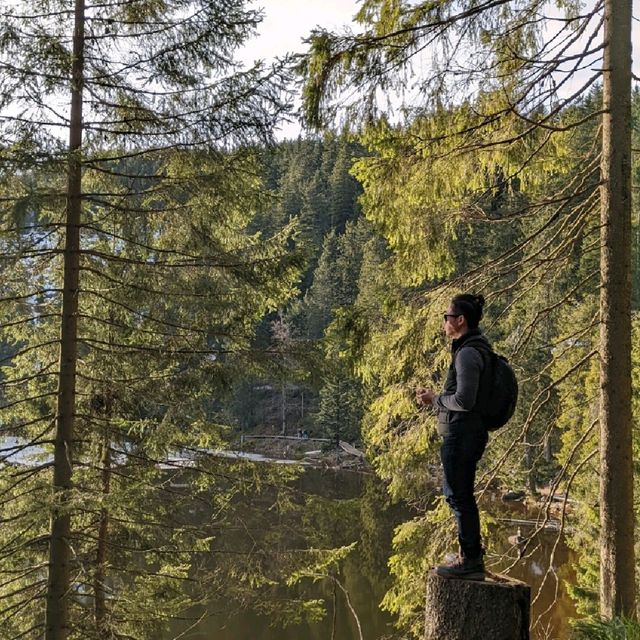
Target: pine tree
[(130, 295)]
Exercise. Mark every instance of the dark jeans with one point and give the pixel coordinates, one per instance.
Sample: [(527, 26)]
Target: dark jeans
[(460, 452)]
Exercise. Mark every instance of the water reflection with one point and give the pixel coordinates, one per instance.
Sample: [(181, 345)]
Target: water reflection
[(545, 563), (345, 507)]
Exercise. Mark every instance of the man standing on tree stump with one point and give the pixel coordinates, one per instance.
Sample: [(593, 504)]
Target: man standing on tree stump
[(460, 424)]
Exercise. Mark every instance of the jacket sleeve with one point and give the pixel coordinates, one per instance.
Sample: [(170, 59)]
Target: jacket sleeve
[(469, 366)]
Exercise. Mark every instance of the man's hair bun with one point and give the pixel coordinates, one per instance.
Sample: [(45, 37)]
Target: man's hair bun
[(470, 306)]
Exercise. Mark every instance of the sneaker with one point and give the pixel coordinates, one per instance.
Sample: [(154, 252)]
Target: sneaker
[(463, 568)]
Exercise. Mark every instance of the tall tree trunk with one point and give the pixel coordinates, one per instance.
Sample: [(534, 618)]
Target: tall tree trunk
[(57, 611), (617, 563)]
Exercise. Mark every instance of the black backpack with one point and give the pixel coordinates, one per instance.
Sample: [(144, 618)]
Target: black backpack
[(500, 390)]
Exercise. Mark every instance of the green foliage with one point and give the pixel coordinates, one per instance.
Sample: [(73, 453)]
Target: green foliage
[(616, 629), (166, 316), (194, 289), (322, 564)]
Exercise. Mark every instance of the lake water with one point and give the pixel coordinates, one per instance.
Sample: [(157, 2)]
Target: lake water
[(352, 507), (343, 507)]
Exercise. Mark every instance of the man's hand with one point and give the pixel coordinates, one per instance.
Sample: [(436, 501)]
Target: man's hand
[(424, 397)]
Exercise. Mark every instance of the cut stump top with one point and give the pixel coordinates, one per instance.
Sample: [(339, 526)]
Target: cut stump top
[(494, 609)]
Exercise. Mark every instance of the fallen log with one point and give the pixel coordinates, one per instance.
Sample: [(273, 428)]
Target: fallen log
[(496, 608)]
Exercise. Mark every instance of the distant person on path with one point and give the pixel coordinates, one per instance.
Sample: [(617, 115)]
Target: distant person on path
[(460, 424)]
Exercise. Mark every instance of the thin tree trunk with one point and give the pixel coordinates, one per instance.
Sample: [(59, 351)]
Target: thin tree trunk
[(283, 406), (548, 448), (530, 463), (57, 608), (617, 563), (103, 532)]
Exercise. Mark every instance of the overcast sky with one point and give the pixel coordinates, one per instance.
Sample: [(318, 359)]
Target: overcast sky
[(287, 22)]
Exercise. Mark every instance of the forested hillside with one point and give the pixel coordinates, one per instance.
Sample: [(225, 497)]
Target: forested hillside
[(306, 385)]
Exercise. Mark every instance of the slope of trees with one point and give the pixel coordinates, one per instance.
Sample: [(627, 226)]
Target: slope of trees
[(295, 388)]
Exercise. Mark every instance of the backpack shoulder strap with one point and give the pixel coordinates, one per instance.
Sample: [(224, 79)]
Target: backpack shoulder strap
[(487, 353), (487, 376)]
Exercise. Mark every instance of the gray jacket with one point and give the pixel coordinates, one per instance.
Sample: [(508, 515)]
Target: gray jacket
[(458, 404)]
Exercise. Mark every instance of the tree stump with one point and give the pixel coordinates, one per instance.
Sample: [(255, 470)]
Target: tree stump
[(497, 608)]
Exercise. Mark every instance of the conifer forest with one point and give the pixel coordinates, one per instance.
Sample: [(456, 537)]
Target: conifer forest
[(211, 333)]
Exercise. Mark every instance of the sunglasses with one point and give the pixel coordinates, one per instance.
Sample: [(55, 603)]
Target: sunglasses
[(446, 316)]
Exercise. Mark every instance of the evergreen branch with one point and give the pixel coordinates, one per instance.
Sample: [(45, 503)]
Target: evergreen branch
[(29, 399), (560, 532), (136, 312), (27, 633), (15, 428), (25, 350), (20, 574), (15, 497), (41, 373), (33, 294), (14, 609), (161, 349), (534, 409), (15, 323), (112, 323), (203, 261), (21, 447)]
